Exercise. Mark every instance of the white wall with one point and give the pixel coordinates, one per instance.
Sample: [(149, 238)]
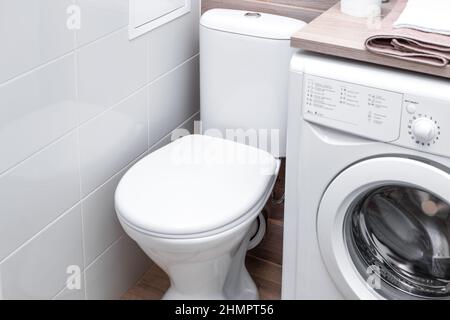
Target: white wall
[(77, 108)]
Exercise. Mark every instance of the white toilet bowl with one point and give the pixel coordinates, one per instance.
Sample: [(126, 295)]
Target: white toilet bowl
[(190, 206)]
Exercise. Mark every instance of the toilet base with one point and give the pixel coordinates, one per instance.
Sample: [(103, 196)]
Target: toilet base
[(247, 290), (173, 294), (232, 283), (203, 268)]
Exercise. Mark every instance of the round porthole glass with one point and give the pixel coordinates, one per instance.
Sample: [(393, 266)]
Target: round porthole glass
[(399, 240)]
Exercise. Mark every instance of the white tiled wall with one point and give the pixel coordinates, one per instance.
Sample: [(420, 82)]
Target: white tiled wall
[(77, 109)]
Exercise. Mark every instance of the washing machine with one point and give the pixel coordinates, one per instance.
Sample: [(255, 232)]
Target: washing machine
[(368, 183)]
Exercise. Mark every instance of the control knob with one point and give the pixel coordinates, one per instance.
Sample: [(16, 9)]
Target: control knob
[(424, 130)]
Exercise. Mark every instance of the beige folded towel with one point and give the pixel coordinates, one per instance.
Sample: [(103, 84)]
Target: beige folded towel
[(408, 44)]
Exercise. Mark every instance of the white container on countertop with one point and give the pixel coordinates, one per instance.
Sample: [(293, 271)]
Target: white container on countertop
[(361, 8)]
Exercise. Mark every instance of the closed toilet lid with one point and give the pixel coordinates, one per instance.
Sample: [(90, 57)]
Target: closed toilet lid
[(194, 185)]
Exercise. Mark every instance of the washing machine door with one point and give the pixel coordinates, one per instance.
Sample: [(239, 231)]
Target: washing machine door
[(384, 230)]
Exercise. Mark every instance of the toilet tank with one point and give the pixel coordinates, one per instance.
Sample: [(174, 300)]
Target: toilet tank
[(244, 71)]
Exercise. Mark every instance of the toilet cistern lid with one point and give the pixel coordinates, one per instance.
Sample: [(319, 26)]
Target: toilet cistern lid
[(193, 185)]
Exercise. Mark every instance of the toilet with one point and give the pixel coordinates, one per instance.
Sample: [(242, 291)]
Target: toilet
[(191, 205)]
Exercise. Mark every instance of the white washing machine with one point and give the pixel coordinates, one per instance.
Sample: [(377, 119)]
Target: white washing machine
[(368, 183)]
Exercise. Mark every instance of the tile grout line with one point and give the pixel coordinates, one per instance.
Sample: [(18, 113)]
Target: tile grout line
[(36, 153), (148, 102), (37, 234), (38, 68), (65, 287), (103, 253), (109, 34), (77, 95)]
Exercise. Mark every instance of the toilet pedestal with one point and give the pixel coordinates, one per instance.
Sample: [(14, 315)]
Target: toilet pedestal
[(214, 283), (209, 268)]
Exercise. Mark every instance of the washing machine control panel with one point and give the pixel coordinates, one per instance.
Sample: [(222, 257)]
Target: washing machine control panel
[(422, 125), (393, 117), (360, 110)]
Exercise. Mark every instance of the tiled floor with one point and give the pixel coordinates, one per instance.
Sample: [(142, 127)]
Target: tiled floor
[(155, 282)]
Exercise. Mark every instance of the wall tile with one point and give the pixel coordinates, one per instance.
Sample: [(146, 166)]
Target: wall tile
[(37, 191), (101, 17), (100, 224), (109, 70), (173, 43), (115, 270), (112, 140), (39, 269), (32, 32), (35, 110), (173, 99)]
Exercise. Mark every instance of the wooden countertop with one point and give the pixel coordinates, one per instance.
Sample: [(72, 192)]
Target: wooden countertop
[(334, 33)]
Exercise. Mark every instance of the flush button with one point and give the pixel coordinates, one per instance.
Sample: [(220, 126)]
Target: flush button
[(253, 15), (411, 108)]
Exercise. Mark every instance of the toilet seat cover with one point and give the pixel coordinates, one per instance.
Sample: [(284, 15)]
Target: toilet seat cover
[(194, 185)]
